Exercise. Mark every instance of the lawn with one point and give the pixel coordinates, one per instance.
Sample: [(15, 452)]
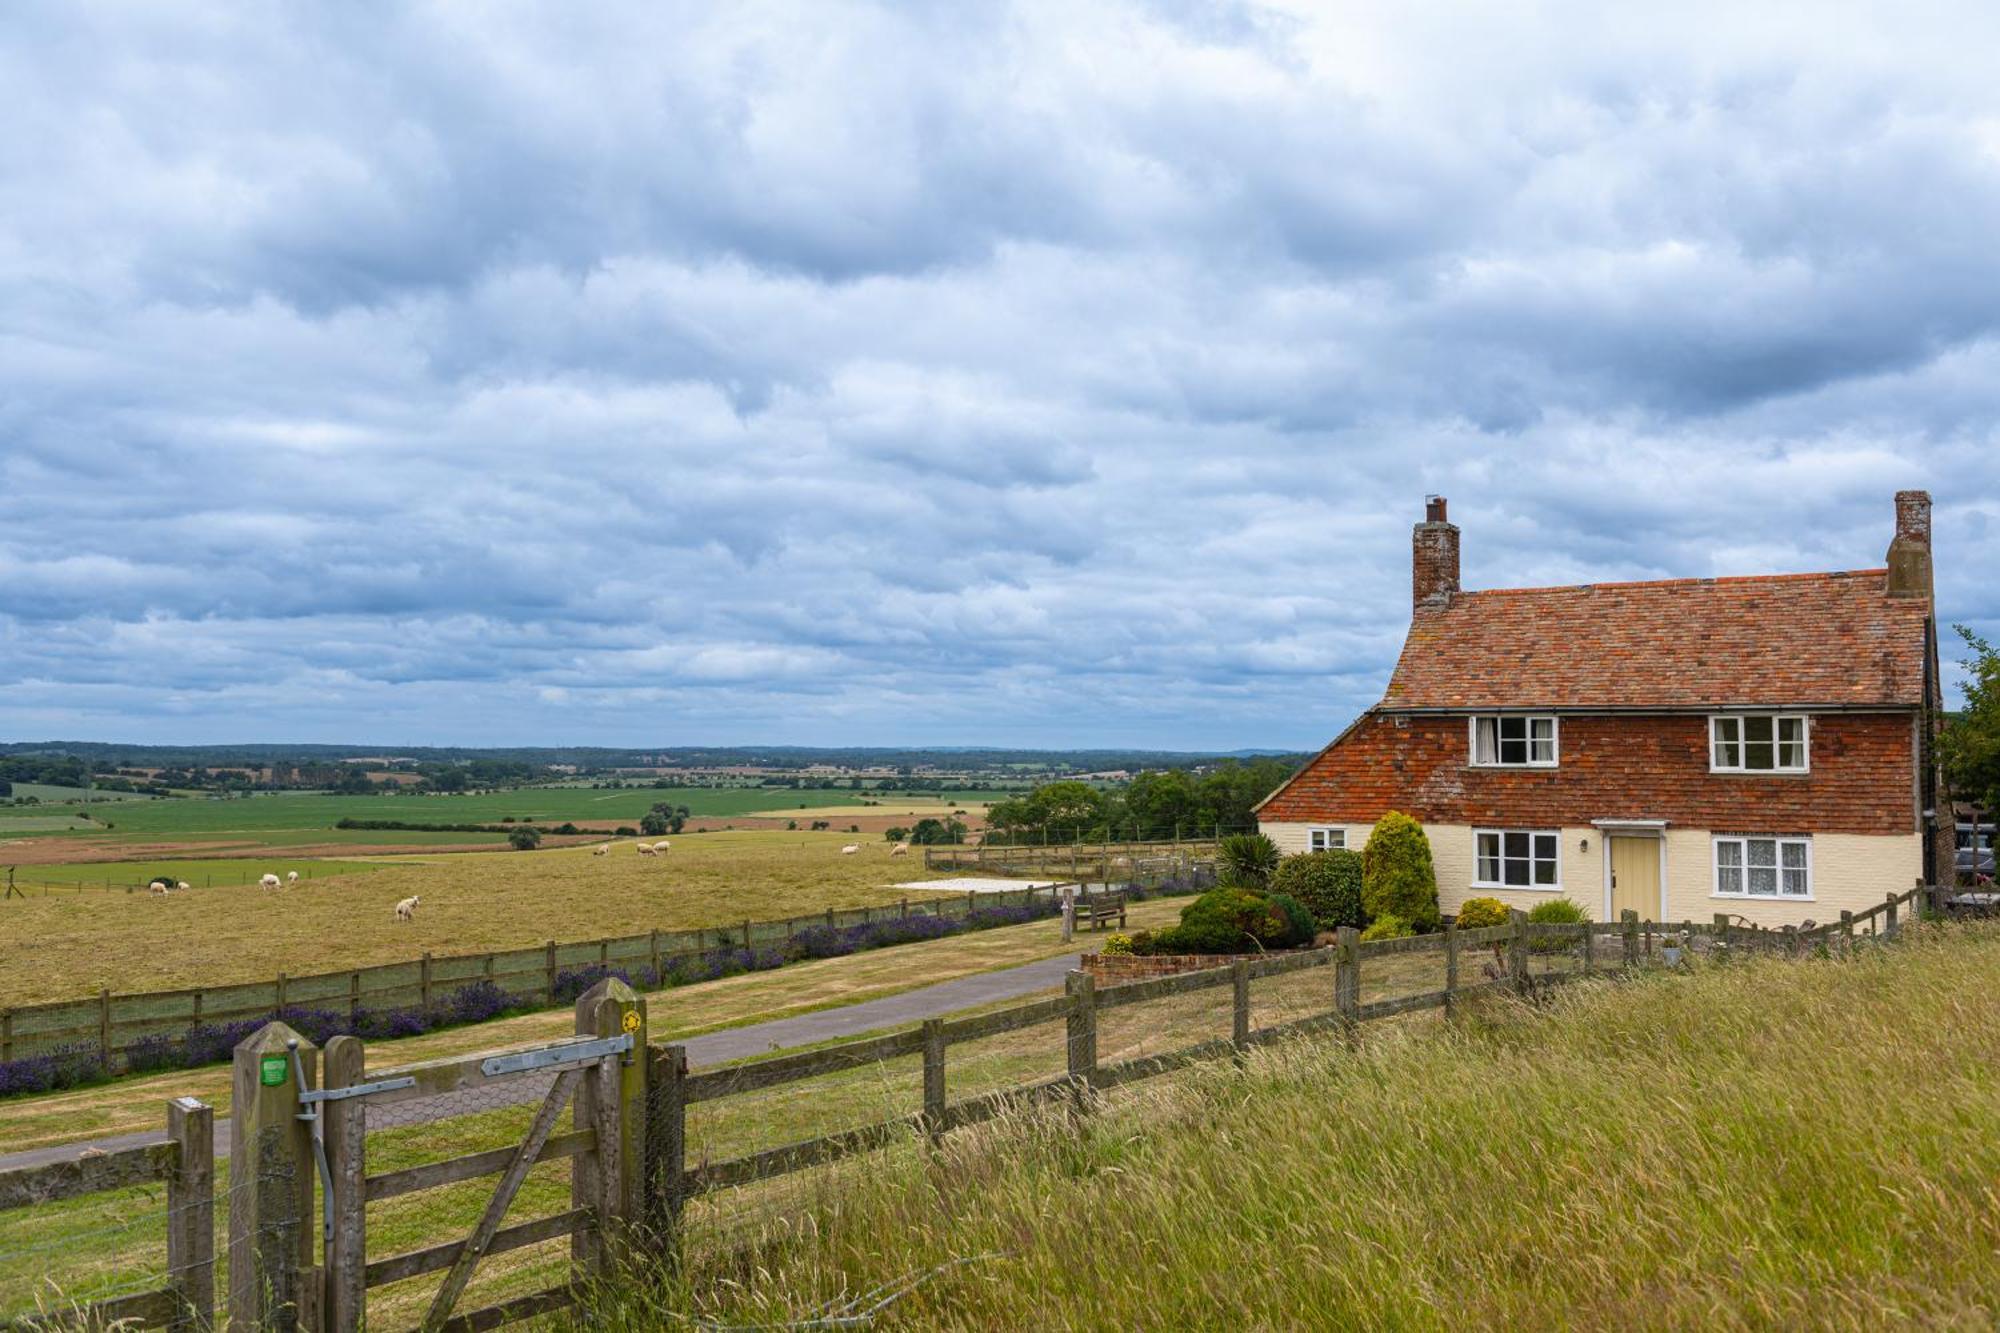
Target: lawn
[(472, 902), (1767, 1144)]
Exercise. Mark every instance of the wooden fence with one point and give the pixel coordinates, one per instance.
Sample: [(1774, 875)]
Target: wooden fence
[(185, 1162), (1106, 862), (112, 1023)]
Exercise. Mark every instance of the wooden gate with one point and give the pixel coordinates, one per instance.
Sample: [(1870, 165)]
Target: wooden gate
[(598, 1077)]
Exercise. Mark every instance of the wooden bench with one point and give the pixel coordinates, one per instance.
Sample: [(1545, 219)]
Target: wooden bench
[(1101, 909)]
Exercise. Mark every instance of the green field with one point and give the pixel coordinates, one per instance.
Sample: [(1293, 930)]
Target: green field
[(51, 795), (285, 818), (201, 874)]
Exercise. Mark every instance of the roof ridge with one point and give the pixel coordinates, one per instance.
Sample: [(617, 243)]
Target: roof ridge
[(1683, 581)]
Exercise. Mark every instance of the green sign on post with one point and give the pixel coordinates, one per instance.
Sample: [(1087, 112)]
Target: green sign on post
[(273, 1071)]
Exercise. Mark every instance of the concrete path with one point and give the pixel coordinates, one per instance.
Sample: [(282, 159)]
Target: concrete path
[(712, 1048)]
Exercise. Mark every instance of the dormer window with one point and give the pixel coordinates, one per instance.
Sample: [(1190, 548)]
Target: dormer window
[(1767, 743), (1514, 742)]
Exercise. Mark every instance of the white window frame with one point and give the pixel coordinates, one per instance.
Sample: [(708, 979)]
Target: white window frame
[(1326, 838), (1528, 721), (1481, 883), (1742, 841), (1778, 721)]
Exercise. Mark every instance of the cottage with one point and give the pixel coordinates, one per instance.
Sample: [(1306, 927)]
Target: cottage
[(1761, 746)]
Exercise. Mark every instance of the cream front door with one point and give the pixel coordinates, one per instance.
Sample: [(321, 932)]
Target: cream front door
[(1635, 877)]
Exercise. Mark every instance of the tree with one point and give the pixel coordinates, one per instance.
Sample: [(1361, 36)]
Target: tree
[(1970, 746), (895, 834), (1397, 877), (937, 831), (353, 782), (662, 819), (525, 838)]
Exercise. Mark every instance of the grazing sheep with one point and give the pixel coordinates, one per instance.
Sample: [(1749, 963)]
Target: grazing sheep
[(645, 848), (291, 877), (406, 910), (600, 851), (900, 849), (270, 882), (160, 886), (850, 849), (660, 847), (181, 887)]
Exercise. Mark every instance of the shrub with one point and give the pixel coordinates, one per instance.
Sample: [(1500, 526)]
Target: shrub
[(1388, 926), (1246, 860), (1397, 878), (1291, 924), (1558, 912), (1328, 883), (1477, 913), (1117, 946), (1220, 921), (525, 839)]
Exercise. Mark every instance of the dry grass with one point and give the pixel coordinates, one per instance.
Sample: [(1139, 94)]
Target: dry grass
[(67, 947), (1766, 1144)]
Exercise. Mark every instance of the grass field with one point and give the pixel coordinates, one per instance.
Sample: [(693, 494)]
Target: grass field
[(472, 902), (1769, 1144), (210, 872)]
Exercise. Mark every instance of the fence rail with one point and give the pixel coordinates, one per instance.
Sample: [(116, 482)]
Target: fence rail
[(1073, 860), (110, 1024)]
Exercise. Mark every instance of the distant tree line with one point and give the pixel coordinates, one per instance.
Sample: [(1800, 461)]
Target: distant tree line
[(1165, 803)]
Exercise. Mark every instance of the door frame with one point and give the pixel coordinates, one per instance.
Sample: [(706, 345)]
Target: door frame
[(1654, 830)]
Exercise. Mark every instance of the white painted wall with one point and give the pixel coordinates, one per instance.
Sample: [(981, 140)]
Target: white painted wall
[(1850, 871)]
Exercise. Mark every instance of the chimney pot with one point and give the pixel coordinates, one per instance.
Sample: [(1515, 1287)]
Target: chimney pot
[(1909, 557), (1433, 557)]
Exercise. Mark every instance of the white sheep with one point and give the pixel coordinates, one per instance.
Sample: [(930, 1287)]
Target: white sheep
[(645, 848), (291, 877), (406, 910), (601, 851), (269, 882), (160, 886), (900, 849), (660, 847), (850, 849), (181, 887)]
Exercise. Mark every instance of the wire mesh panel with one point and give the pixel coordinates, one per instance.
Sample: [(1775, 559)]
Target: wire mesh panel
[(1170, 1023)]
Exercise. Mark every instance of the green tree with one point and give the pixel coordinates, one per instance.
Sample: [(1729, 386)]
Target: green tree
[(525, 838), (1397, 877), (1970, 746)]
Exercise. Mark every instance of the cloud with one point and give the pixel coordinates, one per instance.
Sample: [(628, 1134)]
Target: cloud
[(866, 372)]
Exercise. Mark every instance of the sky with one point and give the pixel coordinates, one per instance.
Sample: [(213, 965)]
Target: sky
[(1042, 374)]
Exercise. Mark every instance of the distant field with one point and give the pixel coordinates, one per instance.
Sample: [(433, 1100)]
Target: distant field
[(43, 792), (472, 901), (196, 874)]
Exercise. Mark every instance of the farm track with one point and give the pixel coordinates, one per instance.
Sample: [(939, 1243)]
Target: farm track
[(708, 1049)]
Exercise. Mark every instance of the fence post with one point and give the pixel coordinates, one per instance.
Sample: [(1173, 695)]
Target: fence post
[(746, 932), (278, 994), (1628, 921), (934, 1094), (1451, 969), (6, 1034), (353, 993), (1517, 949), (1847, 924), (104, 1026), (550, 983), (424, 982), (1890, 920), (1081, 988), (1347, 977), (666, 1150), (1239, 1021), (347, 1169), (653, 948), (191, 1215), (611, 1099), (270, 1181), (1722, 927), (1589, 949)]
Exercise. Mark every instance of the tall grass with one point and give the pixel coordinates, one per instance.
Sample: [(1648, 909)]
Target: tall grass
[(1759, 1144)]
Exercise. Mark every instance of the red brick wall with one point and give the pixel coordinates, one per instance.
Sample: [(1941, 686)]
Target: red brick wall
[(1611, 768)]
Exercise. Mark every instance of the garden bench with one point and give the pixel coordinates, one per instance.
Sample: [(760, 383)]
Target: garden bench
[(1101, 910)]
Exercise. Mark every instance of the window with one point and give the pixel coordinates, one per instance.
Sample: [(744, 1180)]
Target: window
[(1763, 868), (1517, 859), (1765, 744), (1514, 742), (1327, 839)]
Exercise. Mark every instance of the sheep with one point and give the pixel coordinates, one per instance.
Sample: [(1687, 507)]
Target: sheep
[(160, 886), (269, 882), (900, 849), (645, 848), (291, 877), (660, 847), (850, 849), (601, 851), (181, 887), (406, 910)]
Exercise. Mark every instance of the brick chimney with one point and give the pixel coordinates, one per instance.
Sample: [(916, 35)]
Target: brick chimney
[(1433, 557), (1909, 557)]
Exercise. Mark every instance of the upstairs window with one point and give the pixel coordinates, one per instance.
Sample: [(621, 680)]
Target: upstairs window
[(1328, 839), (1514, 742), (1763, 744), (1517, 859)]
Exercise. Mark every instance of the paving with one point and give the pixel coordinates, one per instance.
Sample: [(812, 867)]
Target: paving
[(908, 1007)]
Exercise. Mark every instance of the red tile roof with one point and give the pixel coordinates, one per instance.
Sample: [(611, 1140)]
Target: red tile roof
[(1676, 643)]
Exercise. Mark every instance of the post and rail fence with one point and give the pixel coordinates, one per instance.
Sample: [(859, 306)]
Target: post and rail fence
[(619, 1176)]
